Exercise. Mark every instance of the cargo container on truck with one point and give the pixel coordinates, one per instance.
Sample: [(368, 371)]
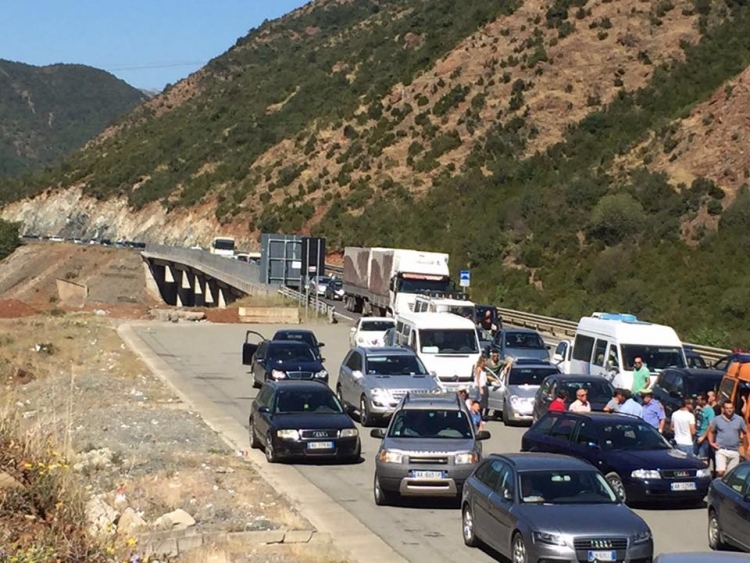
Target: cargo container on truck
[(386, 281)]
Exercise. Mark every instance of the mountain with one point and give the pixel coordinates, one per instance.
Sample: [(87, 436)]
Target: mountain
[(48, 112), (150, 92), (577, 155)]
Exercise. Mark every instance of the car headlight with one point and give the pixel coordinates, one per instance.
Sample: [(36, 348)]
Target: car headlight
[(550, 539), (349, 433), (278, 374), (378, 392), (466, 458), (321, 374), (642, 537), (360, 339), (387, 456), (703, 473), (288, 434), (645, 474)]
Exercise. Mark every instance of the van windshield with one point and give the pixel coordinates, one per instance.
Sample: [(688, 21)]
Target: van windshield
[(448, 341), (655, 357), (223, 244)]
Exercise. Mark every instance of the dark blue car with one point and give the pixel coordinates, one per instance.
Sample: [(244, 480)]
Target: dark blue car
[(639, 464), (729, 510)]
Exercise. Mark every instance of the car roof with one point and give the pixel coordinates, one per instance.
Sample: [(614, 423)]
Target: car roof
[(576, 377), (530, 461), (613, 417), (387, 351), (698, 372), (519, 331), (294, 331), (431, 401), (531, 363), (431, 321), (378, 319), (297, 385)]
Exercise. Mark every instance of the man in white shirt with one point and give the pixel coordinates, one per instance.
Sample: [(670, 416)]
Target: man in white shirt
[(581, 404), (683, 426)]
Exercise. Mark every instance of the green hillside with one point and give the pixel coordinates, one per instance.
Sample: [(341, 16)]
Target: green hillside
[(47, 112)]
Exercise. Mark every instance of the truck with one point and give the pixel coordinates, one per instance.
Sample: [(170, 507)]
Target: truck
[(386, 281)]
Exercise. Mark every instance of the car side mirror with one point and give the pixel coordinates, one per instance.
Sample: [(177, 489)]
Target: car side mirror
[(557, 357), (321, 344), (483, 435), (592, 446), (746, 498), (353, 329), (377, 433), (548, 347), (356, 373), (264, 409), (508, 495)]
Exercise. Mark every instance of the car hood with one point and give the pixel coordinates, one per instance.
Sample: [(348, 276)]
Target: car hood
[(431, 446), (653, 459), (426, 382), (295, 365), (527, 353), (605, 520), (307, 421)]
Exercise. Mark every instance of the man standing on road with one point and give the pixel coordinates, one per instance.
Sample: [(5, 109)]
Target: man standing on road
[(558, 405), (630, 406), (683, 426), (581, 404), (653, 411), (641, 376), (726, 433), (617, 400), (704, 416)]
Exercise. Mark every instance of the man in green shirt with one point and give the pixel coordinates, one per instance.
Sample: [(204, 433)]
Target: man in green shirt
[(641, 376)]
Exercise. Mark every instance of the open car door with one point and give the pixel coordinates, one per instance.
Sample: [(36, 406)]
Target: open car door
[(252, 341)]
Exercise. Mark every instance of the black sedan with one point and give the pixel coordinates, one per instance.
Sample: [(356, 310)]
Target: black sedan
[(599, 391), (301, 335), (302, 419), (674, 384), (639, 464), (537, 507), (276, 360), (729, 509)]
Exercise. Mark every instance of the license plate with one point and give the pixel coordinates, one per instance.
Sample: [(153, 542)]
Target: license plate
[(683, 486), (427, 474), (320, 445), (597, 556)]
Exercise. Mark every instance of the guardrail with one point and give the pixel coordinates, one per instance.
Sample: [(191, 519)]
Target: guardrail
[(316, 304), (562, 328)]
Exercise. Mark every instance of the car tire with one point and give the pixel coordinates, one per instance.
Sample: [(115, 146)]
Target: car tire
[(467, 527), (506, 417), (382, 498), (365, 418), (357, 456), (615, 482), (518, 552), (270, 451), (256, 385), (254, 442), (715, 535)]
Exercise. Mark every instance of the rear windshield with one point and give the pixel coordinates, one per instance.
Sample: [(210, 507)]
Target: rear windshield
[(306, 337), (526, 340), (697, 385), (529, 376), (376, 326)]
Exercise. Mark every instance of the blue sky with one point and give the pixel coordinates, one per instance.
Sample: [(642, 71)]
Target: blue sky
[(147, 43)]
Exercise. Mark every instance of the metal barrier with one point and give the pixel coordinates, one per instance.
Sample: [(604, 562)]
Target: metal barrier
[(316, 304)]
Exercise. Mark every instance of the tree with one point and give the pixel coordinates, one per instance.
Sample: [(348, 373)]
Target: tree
[(9, 240), (616, 218)]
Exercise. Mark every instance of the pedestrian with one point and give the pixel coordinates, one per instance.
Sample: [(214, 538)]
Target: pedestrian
[(653, 411), (487, 323), (494, 363), (641, 376), (629, 405), (581, 404), (476, 415), (704, 416), (618, 398), (464, 396), (558, 405), (726, 434), (480, 379), (683, 426), (713, 403)]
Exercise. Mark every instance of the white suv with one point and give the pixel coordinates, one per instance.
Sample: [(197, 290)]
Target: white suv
[(369, 331)]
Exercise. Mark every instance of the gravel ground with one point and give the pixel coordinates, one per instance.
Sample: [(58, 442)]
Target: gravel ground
[(135, 443)]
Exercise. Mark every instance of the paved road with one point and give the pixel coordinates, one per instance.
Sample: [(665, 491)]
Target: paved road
[(209, 357)]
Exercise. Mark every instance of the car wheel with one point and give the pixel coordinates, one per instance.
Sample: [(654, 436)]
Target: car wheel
[(256, 385), (357, 456), (506, 416), (365, 419), (382, 498), (715, 535), (271, 456), (467, 521), (254, 442), (616, 483), (518, 550)]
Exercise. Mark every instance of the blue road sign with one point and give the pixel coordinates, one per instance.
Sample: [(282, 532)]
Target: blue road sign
[(464, 278)]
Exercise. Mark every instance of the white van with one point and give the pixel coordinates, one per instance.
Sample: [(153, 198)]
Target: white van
[(607, 343), (446, 343), (431, 304)]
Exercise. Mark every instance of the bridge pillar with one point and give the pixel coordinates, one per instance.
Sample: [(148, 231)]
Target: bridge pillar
[(169, 286), (185, 294), (210, 293), (222, 297), (199, 291)]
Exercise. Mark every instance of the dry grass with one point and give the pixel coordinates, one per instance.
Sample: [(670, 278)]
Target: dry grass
[(270, 300), (299, 553)]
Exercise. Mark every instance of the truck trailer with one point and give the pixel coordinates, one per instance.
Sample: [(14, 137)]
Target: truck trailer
[(386, 281)]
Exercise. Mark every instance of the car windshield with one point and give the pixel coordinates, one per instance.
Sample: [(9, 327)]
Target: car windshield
[(375, 326), (632, 436), (312, 402), (448, 341), (526, 340), (429, 423), (655, 357), (306, 337), (223, 244), (565, 487), (423, 286), (598, 391), (279, 353), (323, 281), (336, 284), (529, 376), (697, 385), (397, 364)]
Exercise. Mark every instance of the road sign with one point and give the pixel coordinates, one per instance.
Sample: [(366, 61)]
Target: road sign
[(465, 278)]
